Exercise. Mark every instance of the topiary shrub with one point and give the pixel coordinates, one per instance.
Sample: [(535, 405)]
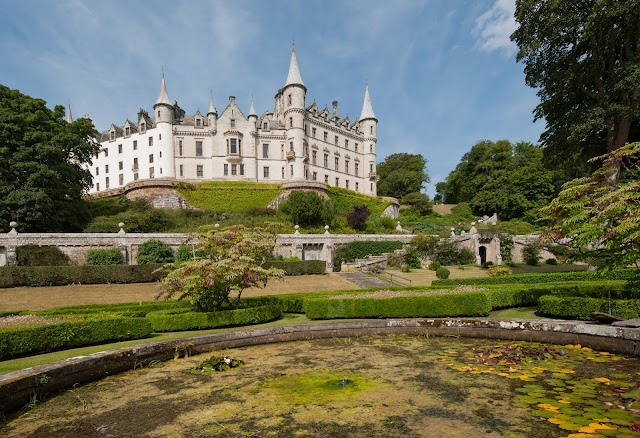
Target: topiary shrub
[(499, 271), (531, 253), (34, 255), (442, 273), (357, 219), (434, 265), (110, 256), (154, 251)]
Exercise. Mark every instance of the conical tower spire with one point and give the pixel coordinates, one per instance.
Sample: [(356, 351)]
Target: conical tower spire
[(212, 107), (252, 110), (69, 116), (164, 97), (294, 78), (367, 109)]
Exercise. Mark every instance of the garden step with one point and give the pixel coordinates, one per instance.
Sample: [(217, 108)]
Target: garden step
[(363, 280)]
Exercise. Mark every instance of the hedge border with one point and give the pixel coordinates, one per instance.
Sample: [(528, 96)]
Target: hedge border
[(550, 277), (299, 267), (581, 307), (187, 319)]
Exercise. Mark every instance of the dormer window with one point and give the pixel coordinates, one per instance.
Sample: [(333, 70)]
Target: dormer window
[(127, 131), (265, 126), (143, 127), (233, 123), (198, 123), (112, 135)]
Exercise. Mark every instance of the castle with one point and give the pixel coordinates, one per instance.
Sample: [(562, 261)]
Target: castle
[(294, 143)]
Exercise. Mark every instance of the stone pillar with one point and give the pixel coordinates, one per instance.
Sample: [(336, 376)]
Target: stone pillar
[(12, 244)]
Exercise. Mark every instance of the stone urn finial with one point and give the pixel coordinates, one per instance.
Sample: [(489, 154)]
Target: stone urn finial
[(326, 229), (121, 225), (13, 225), (297, 227)]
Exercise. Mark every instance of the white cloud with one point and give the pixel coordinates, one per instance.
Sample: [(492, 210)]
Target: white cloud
[(494, 28)]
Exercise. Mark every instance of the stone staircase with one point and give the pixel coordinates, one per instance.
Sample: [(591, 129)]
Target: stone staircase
[(363, 280)]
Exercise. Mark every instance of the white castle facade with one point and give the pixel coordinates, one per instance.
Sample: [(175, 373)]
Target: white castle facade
[(294, 143)]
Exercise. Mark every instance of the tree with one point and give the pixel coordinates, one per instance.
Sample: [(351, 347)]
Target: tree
[(418, 201), (600, 218), (226, 261), (42, 165), (154, 251), (499, 177), (357, 219), (402, 173), (584, 59), (308, 208)]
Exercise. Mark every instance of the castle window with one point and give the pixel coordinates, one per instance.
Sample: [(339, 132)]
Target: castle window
[(337, 161), (356, 169), (356, 147), (289, 99), (313, 132), (371, 187), (346, 184), (234, 169), (265, 126), (135, 145), (306, 173), (326, 179), (291, 146), (180, 148), (127, 131), (326, 136), (283, 173), (346, 166), (136, 177), (106, 168), (290, 122), (226, 169), (337, 182), (233, 146), (291, 174), (314, 157), (151, 173), (135, 164), (106, 183), (158, 113), (181, 170), (113, 135), (97, 171), (326, 160), (371, 167), (335, 140), (265, 172), (159, 136), (315, 176), (120, 165), (143, 127), (233, 123), (346, 143), (371, 148), (160, 157), (199, 171), (198, 149), (121, 179), (282, 152), (150, 141), (198, 123), (357, 187), (370, 129), (242, 170), (150, 158), (97, 187), (265, 150), (106, 153)]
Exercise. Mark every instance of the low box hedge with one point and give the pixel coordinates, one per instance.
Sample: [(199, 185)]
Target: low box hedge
[(299, 267), (465, 304), (551, 277), (188, 319), (288, 304), (40, 339), (132, 310), (13, 276), (581, 307)]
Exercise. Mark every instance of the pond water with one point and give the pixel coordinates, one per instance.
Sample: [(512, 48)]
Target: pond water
[(398, 386)]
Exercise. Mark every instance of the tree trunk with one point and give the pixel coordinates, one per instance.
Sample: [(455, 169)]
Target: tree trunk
[(616, 138)]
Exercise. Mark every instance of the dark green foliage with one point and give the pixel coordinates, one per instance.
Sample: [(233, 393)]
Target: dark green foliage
[(434, 266), (448, 252), (107, 206), (442, 273), (111, 256), (300, 267), (581, 307), (308, 208), (34, 255), (154, 252), (358, 250), (424, 245), (500, 177), (418, 201), (186, 253), (357, 219), (411, 260), (466, 304), (42, 172), (261, 211), (400, 174), (188, 319), (131, 310), (219, 363), (32, 340), (551, 262), (531, 253), (506, 247), (14, 276), (529, 279)]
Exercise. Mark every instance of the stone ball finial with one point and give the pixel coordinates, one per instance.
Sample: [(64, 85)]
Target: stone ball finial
[(326, 229), (297, 227), (13, 224), (121, 224), (216, 225)]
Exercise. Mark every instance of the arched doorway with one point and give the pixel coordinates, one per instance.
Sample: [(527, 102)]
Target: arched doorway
[(482, 252)]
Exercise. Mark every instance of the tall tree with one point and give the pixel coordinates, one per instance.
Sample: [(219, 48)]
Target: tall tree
[(42, 158), (500, 177), (583, 56), (401, 174)]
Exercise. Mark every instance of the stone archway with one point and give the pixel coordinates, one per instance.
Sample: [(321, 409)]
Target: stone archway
[(482, 252)]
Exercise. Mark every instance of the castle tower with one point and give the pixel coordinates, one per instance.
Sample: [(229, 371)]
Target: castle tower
[(212, 116), (293, 102), (163, 110), (369, 126), (253, 117), (69, 116)]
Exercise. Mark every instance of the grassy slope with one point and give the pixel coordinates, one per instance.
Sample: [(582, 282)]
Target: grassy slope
[(229, 196)]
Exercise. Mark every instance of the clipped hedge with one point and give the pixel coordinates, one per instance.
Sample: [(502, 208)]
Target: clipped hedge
[(551, 277), (13, 276), (132, 310), (111, 256), (36, 255), (188, 319), (581, 307), (299, 267), (465, 304), (32, 340)]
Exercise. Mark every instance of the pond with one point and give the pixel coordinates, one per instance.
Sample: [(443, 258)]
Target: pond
[(358, 387)]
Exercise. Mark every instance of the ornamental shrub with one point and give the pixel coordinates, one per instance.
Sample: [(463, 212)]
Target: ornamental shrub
[(551, 261), (307, 208), (154, 251), (448, 252), (35, 255), (111, 256), (14, 276), (434, 265), (357, 219), (506, 247), (499, 271), (442, 273), (531, 253)]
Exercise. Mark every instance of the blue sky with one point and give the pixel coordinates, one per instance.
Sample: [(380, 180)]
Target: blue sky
[(442, 73)]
